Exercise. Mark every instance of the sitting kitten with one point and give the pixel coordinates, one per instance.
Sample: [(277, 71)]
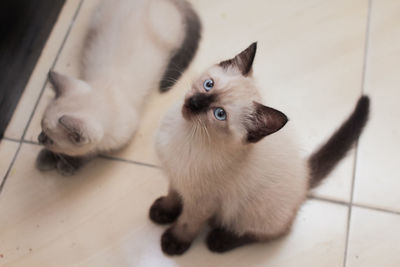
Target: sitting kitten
[(223, 172), (131, 46)]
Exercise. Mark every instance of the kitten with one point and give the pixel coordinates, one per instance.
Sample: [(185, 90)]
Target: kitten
[(222, 170), (131, 46)]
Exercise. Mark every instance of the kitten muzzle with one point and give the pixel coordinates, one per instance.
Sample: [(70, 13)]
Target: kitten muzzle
[(199, 102), (44, 139)]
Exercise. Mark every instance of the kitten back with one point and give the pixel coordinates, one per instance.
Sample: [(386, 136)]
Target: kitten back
[(324, 160), (181, 58)]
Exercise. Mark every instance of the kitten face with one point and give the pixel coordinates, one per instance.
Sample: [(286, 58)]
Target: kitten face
[(67, 126), (225, 100)]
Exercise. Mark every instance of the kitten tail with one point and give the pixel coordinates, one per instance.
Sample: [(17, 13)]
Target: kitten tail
[(324, 160), (181, 58)]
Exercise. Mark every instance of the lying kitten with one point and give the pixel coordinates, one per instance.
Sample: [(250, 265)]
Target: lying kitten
[(223, 172), (131, 46)]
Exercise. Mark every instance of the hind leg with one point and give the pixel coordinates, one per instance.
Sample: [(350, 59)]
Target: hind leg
[(222, 240)]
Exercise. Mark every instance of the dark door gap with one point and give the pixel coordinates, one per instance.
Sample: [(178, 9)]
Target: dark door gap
[(24, 29)]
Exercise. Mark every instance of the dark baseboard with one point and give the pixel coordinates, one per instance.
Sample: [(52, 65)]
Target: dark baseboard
[(24, 29)]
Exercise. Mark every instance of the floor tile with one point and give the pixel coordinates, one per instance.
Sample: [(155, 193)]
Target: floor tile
[(38, 77), (309, 65), (311, 243), (7, 152), (374, 239), (49, 220), (99, 218), (377, 181)]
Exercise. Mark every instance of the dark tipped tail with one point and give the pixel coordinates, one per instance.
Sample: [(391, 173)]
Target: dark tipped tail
[(328, 155), (182, 57)]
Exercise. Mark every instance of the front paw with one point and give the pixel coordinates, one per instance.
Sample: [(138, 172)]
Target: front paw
[(68, 165), (46, 160), (161, 215), (66, 169), (171, 245)]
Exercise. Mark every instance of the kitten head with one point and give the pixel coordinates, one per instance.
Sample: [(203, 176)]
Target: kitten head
[(68, 127), (226, 102)]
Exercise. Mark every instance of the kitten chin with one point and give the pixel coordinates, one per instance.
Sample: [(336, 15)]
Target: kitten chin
[(100, 112), (234, 165)]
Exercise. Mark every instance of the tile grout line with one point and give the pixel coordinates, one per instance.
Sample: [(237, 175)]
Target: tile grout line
[(377, 209), (363, 76), (333, 201), (30, 142), (10, 139), (350, 206), (366, 47), (345, 203), (9, 167), (106, 157), (310, 197), (21, 141)]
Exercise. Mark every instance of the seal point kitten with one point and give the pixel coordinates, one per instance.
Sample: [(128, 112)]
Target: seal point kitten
[(231, 163), (131, 47)]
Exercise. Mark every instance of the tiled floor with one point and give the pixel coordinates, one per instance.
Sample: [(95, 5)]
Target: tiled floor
[(314, 59)]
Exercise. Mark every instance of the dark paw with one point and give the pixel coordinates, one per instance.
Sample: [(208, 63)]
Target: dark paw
[(171, 245), (68, 165), (160, 215), (66, 169), (220, 240), (46, 160)]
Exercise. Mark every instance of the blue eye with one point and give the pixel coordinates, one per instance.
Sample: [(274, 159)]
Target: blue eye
[(208, 84), (220, 114)]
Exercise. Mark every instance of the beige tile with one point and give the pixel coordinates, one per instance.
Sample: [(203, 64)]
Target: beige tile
[(99, 218), (377, 181), (68, 63), (312, 242), (48, 220), (32, 90), (374, 239), (309, 65), (7, 152)]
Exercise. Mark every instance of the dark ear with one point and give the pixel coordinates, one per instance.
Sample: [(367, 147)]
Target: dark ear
[(264, 121), (75, 129), (60, 82), (242, 61)]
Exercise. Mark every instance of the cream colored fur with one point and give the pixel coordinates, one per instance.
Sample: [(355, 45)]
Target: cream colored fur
[(127, 50), (247, 188)]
